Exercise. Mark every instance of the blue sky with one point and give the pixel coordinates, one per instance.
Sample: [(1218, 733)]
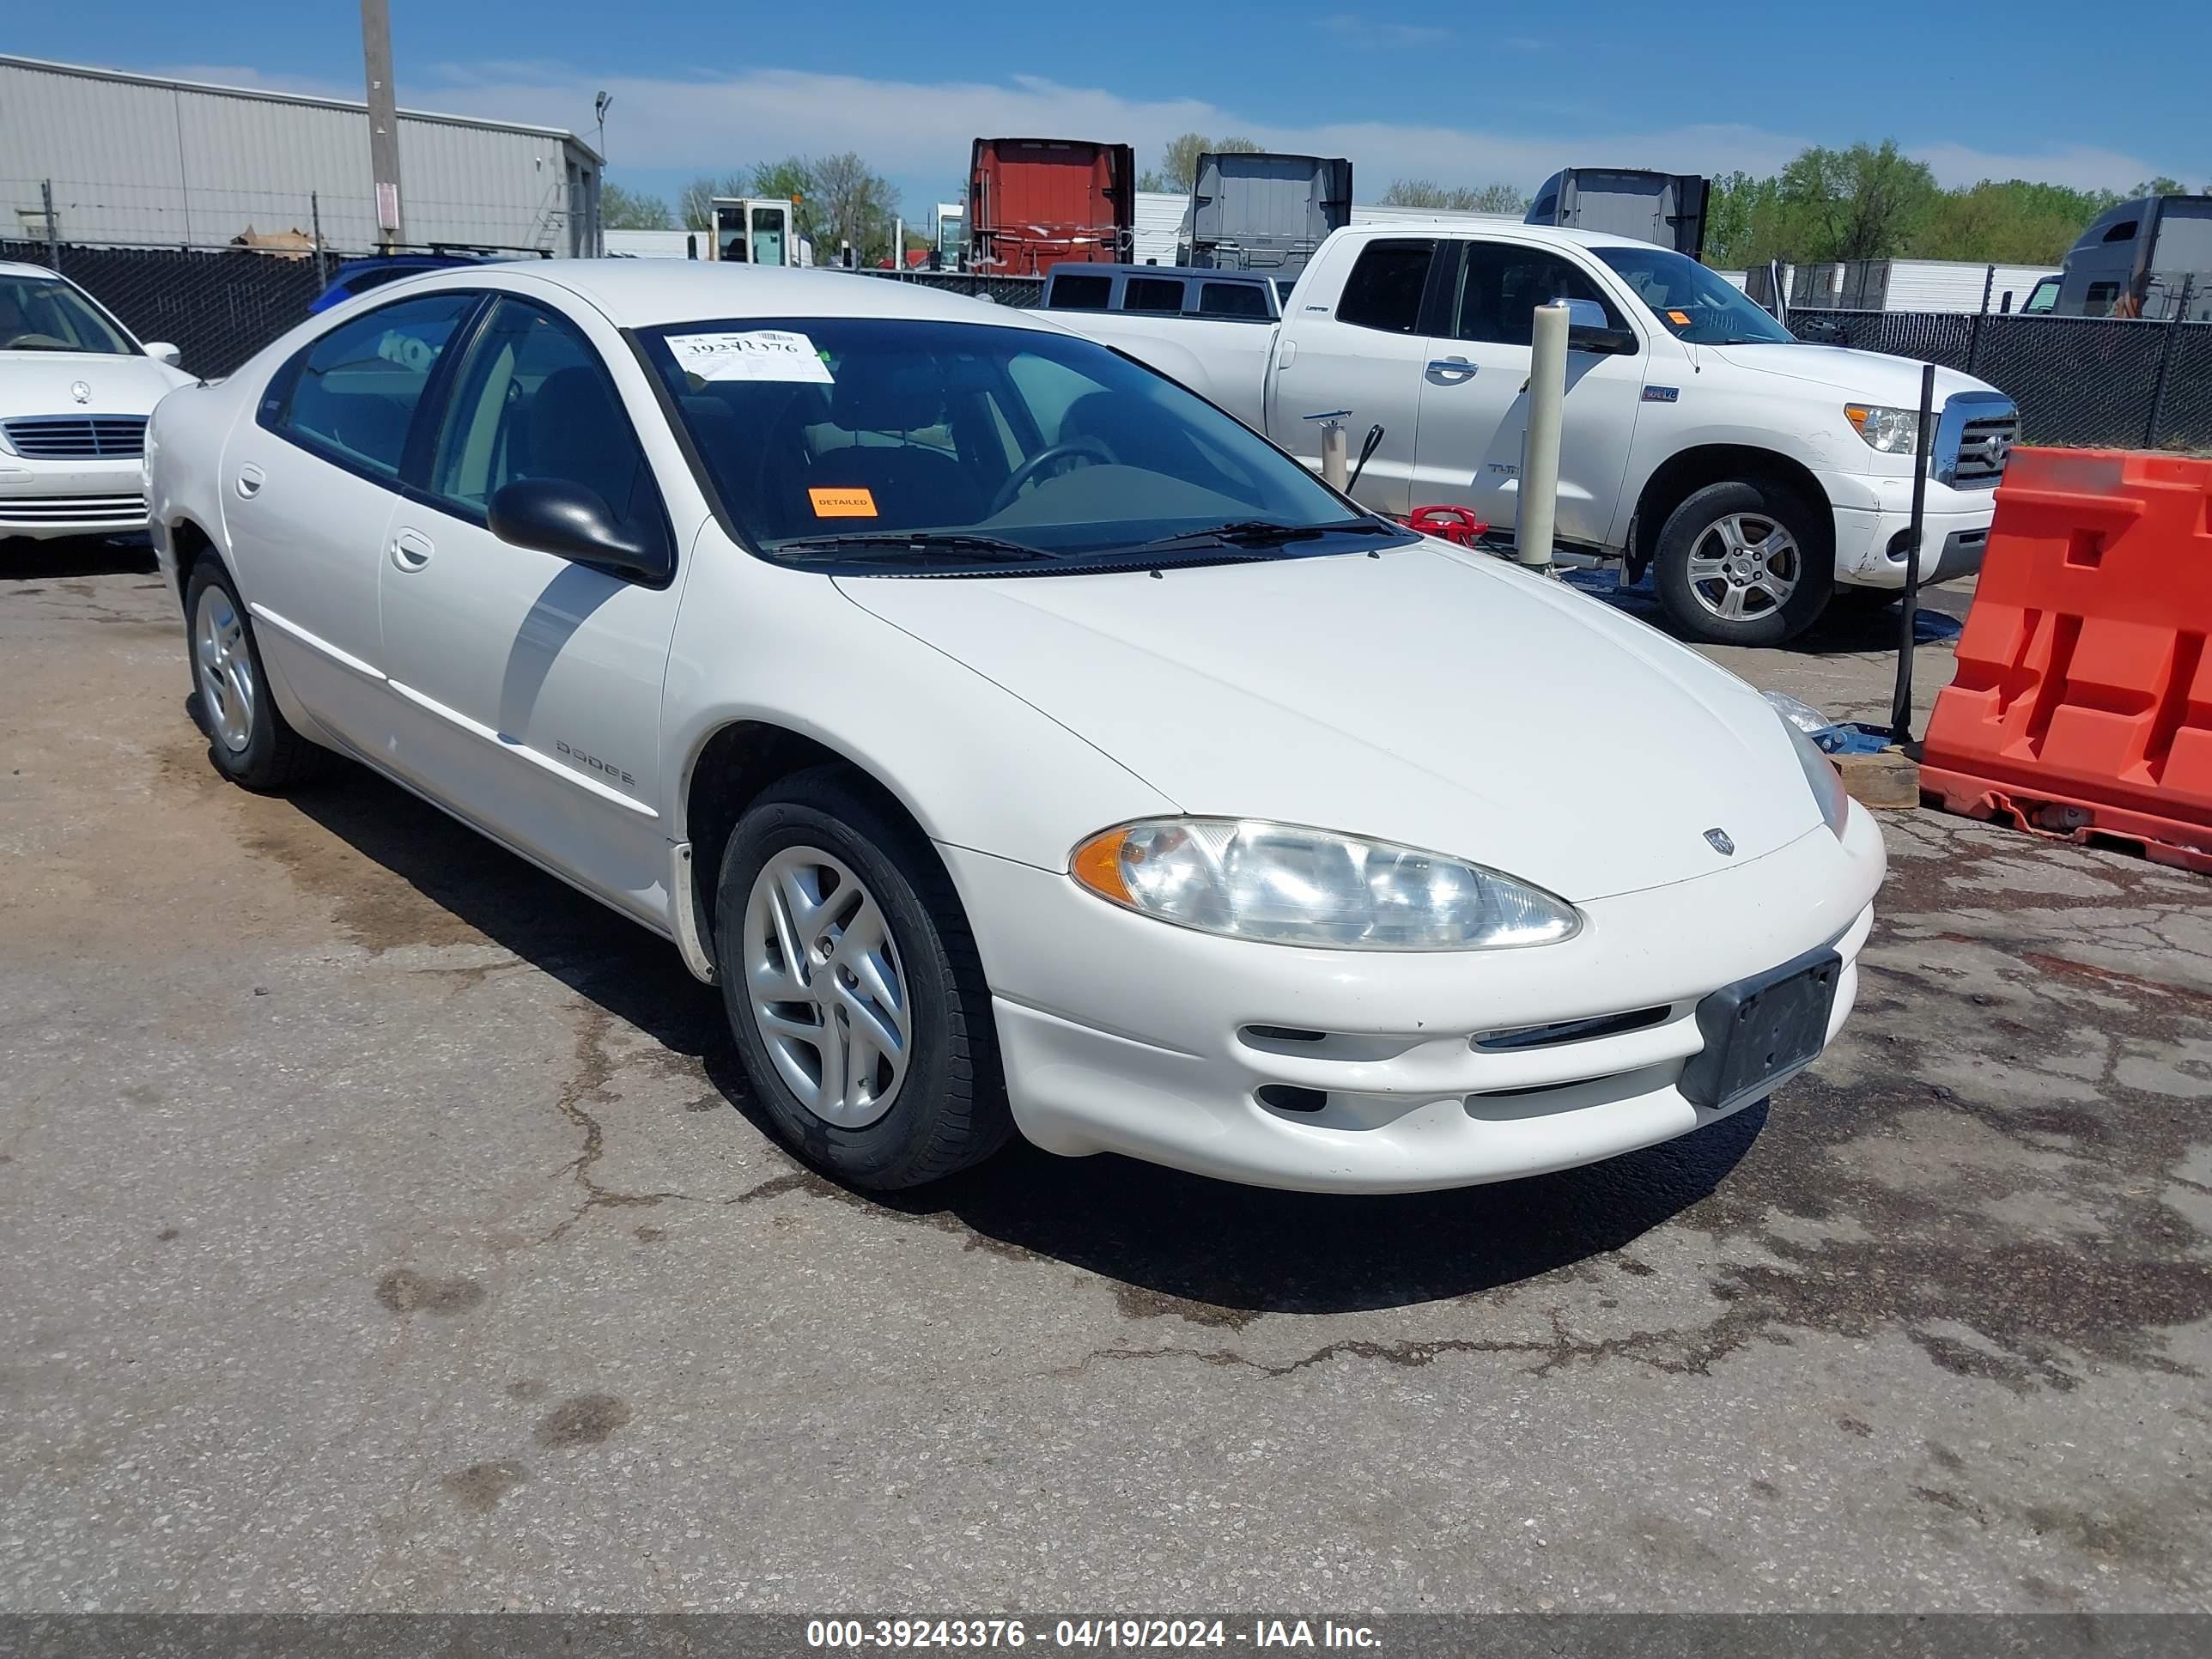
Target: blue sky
[(1457, 94)]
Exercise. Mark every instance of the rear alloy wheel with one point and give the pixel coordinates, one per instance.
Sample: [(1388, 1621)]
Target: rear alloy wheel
[(1744, 564), (248, 739), (852, 988)]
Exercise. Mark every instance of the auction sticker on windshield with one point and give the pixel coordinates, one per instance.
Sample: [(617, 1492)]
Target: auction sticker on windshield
[(764, 354)]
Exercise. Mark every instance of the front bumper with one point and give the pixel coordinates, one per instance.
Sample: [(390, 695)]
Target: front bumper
[(44, 499), (1873, 520), (1338, 1072)]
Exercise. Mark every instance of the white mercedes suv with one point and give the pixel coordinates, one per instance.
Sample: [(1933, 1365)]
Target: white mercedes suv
[(76, 390)]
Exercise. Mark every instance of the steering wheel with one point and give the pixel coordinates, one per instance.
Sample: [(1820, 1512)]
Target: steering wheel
[(1033, 468), (35, 340)]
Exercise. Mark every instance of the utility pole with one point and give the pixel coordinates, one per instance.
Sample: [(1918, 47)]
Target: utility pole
[(383, 120)]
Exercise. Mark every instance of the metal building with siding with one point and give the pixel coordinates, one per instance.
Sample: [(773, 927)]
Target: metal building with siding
[(147, 160)]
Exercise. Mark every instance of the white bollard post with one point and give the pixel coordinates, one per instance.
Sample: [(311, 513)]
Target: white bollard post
[(1335, 471), (1538, 491)]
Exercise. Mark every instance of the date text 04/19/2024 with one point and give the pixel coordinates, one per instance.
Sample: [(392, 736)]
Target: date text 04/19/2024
[(857, 1634)]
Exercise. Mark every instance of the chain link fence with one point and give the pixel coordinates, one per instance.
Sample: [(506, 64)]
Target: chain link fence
[(2081, 382), (218, 309)]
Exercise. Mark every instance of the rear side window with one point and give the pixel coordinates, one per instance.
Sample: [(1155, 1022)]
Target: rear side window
[(534, 401), (355, 390), (1385, 288), (1081, 293), (1152, 294), (1232, 300)]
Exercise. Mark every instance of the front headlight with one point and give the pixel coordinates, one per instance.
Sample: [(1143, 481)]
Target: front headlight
[(1892, 431), (1276, 882), (1821, 776)]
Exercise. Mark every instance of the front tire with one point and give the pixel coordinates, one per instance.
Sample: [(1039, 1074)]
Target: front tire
[(852, 988), (1746, 562), (249, 740)]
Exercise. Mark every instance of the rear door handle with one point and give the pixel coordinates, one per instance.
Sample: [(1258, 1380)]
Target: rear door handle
[(1452, 366), (250, 480), (411, 549)]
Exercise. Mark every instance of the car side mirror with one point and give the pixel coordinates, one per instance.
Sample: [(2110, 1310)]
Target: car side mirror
[(1588, 330), (571, 521), (162, 352)]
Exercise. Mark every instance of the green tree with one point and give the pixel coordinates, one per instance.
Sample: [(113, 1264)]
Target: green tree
[(2160, 185), (1178, 168), (631, 209), (1864, 202), (1458, 198), (1746, 222), (1149, 180), (791, 179), (855, 204), (2010, 222), (696, 202)]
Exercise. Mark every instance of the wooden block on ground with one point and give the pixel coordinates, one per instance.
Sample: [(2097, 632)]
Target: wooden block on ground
[(1887, 778)]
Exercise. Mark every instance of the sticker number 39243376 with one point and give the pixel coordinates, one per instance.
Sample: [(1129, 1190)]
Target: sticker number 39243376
[(762, 354)]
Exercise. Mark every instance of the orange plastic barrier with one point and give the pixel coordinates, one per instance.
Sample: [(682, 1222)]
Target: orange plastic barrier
[(2083, 702)]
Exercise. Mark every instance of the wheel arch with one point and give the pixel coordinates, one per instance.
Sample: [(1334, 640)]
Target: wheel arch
[(189, 545), (1686, 471), (737, 762)]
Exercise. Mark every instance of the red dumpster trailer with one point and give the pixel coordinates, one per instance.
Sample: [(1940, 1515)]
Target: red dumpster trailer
[(1037, 202)]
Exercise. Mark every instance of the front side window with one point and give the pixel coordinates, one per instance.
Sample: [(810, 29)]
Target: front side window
[(355, 390), (534, 401), (1693, 302), (956, 442), (1385, 289), (1500, 286), (38, 314)]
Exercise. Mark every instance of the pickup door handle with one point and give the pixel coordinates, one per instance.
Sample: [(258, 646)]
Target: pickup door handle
[(411, 549), (1453, 366)]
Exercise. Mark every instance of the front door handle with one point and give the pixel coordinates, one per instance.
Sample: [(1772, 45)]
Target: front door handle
[(250, 480), (411, 549)]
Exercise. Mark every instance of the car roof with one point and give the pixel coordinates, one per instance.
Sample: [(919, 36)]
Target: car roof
[(1555, 235), (16, 268), (649, 293)]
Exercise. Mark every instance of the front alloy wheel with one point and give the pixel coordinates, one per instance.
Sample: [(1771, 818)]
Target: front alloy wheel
[(859, 1007), (249, 740), (1744, 565), (1749, 561), (225, 668), (827, 991)]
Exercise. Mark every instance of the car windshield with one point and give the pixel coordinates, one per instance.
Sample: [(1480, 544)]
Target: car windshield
[(38, 314), (961, 443), (1695, 304)]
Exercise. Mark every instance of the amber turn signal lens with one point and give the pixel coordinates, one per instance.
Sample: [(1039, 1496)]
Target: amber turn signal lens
[(1098, 866)]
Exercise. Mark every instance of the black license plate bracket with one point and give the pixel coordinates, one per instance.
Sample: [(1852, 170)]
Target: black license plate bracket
[(1761, 1031)]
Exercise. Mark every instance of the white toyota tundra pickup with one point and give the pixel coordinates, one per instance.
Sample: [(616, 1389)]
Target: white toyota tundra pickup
[(1755, 475)]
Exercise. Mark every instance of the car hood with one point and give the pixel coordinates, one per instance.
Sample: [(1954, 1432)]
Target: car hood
[(43, 382), (1427, 696), (1871, 377)]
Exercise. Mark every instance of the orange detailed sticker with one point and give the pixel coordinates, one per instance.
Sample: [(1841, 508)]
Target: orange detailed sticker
[(1680, 317), (843, 503)]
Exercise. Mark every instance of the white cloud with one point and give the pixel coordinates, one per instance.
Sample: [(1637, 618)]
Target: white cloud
[(1377, 34), (919, 131)]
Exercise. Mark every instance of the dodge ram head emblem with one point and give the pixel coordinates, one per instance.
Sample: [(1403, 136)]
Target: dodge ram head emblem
[(81, 392), (1721, 843)]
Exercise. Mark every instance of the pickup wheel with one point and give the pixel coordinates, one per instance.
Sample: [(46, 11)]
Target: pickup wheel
[(852, 988), (1749, 563), (249, 740)]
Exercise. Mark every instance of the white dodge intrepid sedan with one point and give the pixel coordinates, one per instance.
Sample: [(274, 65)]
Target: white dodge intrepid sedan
[(76, 387), (1016, 740)]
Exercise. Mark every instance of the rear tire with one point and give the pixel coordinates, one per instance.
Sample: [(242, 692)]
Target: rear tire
[(1745, 563), (249, 740), (852, 988)]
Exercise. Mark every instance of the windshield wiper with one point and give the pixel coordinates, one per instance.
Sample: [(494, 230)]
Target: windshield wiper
[(891, 544), (1262, 532)]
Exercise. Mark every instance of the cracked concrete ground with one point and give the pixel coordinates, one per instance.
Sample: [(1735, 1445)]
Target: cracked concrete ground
[(387, 1227)]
